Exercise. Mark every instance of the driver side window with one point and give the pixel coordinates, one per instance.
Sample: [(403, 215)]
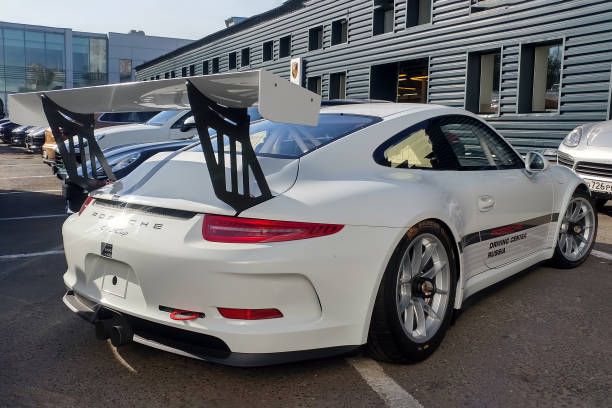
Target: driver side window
[(418, 147), (475, 145), (451, 142)]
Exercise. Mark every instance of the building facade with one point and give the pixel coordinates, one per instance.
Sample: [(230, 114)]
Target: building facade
[(535, 69), (38, 58)]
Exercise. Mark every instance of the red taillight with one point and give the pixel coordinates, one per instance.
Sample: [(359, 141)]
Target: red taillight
[(250, 314), (220, 228), (88, 200)]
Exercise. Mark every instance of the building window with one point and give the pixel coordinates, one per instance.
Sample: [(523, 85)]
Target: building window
[(215, 65), (125, 70), (166, 75), (191, 70), (339, 32), (405, 81), (156, 76), (482, 91), (245, 57), (31, 61), (383, 16), (540, 76), (152, 78), (267, 50), (284, 47), (412, 80), (337, 86), (232, 60), (418, 12), (184, 72), (205, 70), (172, 74), (315, 38), (314, 84), (89, 61)]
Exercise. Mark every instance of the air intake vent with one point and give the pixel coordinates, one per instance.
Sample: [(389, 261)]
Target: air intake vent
[(565, 160), (594, 169)]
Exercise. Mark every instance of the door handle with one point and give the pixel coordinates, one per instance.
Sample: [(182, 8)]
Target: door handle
[(486, 203)]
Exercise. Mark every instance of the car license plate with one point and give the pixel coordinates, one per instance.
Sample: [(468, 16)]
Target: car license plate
[(599, 186)]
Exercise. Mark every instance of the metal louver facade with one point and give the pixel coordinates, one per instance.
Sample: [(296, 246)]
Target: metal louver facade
[(456, 28)]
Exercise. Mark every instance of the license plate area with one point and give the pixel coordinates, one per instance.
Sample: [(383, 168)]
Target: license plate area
[(109, 275), (599, 186)]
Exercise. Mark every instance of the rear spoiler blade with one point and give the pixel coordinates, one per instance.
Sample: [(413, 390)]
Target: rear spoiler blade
[(218, 101), (277, 99)]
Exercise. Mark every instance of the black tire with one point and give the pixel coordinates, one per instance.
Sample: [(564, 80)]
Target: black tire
[(387, 340), (559, 260), (600, 203)]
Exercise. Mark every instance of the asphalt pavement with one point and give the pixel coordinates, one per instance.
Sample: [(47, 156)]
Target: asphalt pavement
[(541, 338)]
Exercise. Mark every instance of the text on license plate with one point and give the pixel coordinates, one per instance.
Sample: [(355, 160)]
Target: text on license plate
[(596, 185)]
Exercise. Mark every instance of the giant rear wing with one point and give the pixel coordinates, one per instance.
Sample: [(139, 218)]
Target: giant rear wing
[(218, 102)]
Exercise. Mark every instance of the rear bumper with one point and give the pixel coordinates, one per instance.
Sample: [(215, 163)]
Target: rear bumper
[(185, 342), (325, 287)]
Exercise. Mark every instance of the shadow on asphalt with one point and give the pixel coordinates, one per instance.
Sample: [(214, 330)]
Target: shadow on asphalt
[(30, 204)]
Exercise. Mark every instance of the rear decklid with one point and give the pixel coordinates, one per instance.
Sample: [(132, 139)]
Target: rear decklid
[(180, 180)]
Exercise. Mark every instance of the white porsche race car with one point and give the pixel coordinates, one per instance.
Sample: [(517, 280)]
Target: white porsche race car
[(316, 231)]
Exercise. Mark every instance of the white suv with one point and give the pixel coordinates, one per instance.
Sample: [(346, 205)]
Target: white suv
[(588, 151)]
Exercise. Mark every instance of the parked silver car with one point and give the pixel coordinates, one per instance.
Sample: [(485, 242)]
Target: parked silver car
[(588, 151)]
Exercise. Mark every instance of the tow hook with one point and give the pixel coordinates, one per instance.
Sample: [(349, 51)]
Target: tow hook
[(184, 315)]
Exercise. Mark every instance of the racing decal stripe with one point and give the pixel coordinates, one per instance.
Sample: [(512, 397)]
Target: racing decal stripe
[(504, 230)]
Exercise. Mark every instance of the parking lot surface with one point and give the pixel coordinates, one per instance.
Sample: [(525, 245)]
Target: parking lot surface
[(541, 338)]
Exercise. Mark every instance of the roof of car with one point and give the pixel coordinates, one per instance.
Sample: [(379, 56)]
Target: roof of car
[(379, 109)]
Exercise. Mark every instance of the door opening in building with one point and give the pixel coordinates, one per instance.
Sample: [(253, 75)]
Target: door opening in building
[(404, 81)]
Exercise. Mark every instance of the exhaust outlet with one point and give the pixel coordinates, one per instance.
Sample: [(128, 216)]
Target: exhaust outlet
[(120, 335)]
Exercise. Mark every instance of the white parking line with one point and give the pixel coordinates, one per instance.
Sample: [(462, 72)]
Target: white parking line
[(27, 192), (120, 359), (31, 254), (387, 389), (22, 177), (601, 254), (31, 217), (22, 164)]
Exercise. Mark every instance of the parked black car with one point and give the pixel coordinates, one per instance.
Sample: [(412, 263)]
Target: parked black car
[(34, 139), (18, 135), (6, 130)]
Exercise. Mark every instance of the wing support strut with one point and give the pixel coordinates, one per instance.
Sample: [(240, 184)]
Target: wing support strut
[(65, 125), (232, 123)]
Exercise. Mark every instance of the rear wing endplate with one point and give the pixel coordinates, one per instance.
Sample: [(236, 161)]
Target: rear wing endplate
[(218, 102)]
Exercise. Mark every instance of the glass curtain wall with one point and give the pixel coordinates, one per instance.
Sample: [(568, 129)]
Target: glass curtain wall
[(31, 61), (89, 61)]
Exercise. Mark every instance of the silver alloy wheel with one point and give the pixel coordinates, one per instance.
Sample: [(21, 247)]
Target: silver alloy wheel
[(423, 285), (577, 229)]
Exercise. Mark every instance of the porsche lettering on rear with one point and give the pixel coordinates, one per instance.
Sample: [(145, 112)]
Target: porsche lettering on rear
[(131, 221)]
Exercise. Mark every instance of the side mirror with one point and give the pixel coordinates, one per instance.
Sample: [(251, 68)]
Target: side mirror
[(535, 163), (188, 124)]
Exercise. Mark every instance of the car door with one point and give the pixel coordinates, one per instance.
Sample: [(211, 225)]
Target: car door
[(513, 211)]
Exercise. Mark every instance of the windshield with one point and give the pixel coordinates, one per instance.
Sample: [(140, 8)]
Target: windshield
[(284, 140), (162, 117)]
